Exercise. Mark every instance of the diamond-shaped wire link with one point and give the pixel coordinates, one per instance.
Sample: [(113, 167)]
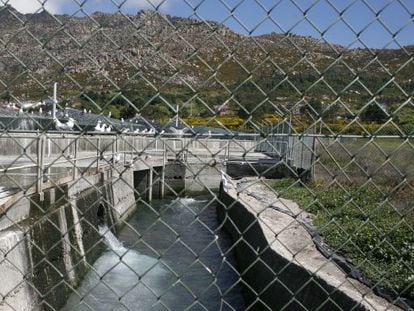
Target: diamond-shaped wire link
[(243, 155)]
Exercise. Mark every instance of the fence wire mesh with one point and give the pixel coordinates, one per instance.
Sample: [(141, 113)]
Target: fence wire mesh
[(206, 155)]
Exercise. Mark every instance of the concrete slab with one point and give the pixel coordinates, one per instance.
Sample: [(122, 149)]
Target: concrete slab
[(271, 230)]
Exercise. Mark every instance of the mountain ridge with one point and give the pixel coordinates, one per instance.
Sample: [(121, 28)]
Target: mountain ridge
[(152, 53)]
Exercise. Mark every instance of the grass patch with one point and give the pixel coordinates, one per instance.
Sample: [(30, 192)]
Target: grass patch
[(387, 162), (362, 225)]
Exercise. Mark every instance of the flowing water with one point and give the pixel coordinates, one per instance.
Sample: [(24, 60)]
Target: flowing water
[(169, 256), (4, 192)]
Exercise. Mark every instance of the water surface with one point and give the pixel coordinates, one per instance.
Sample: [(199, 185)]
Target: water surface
[(168, 256)]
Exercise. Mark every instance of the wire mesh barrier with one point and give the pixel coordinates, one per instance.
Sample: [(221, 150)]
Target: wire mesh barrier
[(206, 155)]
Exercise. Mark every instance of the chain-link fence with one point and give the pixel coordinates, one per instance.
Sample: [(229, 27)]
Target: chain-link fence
[(206, 155)]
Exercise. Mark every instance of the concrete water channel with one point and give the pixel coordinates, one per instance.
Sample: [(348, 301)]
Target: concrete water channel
[(118, 222), (58, 190)]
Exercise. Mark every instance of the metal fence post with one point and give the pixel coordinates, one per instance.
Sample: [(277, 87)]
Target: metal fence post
[(164, 160), (40, 164), (75, 161), (113, 147), (227, 153), (150, 183), (98, 151), (49, 151), (312, 161)]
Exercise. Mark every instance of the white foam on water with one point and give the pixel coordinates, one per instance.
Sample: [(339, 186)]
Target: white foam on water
[(124, 278), (186, 201), (111, 240), (4, 192), (119, 272)]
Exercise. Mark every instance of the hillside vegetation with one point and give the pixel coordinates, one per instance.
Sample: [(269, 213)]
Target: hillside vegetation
[(149, 62)]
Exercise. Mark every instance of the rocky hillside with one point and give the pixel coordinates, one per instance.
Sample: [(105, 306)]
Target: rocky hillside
[(149, 54)]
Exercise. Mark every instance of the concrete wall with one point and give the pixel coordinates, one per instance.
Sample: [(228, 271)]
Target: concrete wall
[(141, 184), (192, 177), (278, 262), (268, 170), (123, 198), (15, 293), (174, 177), (49, 245), (202, 177)]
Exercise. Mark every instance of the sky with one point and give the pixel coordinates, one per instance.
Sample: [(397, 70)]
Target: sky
[(352, 23)]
